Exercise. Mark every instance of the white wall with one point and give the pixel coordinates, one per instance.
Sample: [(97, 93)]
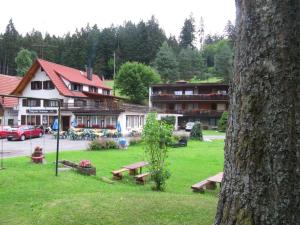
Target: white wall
[(47, 94), (122, 121)]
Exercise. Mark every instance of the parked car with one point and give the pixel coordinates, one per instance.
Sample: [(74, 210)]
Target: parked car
[(24, 132), (4, 130), (189, 126)]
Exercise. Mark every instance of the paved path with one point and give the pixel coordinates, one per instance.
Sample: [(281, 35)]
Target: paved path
[(47, 142)]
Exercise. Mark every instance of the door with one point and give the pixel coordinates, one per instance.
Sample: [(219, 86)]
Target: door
[(65, 122)]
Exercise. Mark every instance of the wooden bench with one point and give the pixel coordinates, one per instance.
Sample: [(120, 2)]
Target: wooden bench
[(199, 187), (141, 178), (118, 174)]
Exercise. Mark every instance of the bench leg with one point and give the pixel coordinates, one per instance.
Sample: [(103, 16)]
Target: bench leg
[(133, 172), (117, 176), (211, 185)]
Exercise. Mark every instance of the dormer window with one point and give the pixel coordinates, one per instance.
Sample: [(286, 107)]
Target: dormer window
[(106, 92), (36, 85), (76, 87), (93, 89)]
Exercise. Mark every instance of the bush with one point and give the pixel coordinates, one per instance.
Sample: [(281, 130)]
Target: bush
[(102, 144), (222, 123), (169, 120), (157, 137), (135, 140), (196, 132)]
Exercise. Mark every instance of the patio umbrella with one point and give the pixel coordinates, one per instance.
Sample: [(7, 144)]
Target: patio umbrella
[(119, 127), (74, 123), (55, 124)]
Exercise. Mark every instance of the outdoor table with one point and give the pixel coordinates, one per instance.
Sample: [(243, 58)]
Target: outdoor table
[(133, 168)]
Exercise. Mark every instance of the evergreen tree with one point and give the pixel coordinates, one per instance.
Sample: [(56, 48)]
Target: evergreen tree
[(166, 64), (190, 64), (224, 61), (11, 46), (173, 43), (187, 35)]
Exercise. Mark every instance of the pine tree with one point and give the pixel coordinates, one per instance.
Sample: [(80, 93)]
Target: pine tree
[(187, 35), (166, 64)]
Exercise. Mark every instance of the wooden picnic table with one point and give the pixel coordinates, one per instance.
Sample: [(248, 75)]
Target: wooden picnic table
[(216, 178), (133, 168)]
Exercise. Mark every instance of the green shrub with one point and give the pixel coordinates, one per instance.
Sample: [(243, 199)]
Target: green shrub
[(102, 144), (170, 120), (196, 132), (135, 140), (110, 144), (157, 136), (222, 123)]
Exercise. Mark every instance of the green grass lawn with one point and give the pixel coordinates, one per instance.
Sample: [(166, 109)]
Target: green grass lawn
[(213, 132), (31, 194)]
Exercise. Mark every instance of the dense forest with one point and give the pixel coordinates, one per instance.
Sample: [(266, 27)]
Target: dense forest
[(190, 57)]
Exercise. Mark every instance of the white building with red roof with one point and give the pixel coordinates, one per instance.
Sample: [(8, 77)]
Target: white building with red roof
[(83, 95), (9, 106)]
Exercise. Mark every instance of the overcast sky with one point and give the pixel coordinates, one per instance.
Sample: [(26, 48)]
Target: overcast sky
[(62, 16)]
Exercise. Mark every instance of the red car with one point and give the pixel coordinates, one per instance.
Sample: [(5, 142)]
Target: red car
[(23, 132), (4, 130)]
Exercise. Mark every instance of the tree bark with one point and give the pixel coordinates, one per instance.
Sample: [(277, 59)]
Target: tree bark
[(261, 182)]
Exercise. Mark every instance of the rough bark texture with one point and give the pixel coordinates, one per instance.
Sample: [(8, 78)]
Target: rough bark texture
[(262, 153)]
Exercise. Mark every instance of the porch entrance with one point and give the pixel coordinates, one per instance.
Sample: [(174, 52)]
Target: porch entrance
[(65, 122)]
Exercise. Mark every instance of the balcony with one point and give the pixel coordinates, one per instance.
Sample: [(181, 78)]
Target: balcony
[(93, 107), (196, 112), (199, 97)]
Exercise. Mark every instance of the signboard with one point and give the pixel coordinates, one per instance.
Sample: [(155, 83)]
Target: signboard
[(41, 111)]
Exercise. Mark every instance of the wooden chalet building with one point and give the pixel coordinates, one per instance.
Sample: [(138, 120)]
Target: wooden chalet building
[(204, 102), (83, 97)]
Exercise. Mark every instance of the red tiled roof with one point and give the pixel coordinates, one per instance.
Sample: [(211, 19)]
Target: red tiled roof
[(57, 73), (7, 85)]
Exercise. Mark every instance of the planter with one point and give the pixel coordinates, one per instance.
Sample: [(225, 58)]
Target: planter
[(37, 159), (86, 170)]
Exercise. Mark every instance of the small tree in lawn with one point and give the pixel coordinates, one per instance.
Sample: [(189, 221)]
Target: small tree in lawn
[(157, 135), (196, 132)]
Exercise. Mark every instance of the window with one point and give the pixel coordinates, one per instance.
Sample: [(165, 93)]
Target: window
[(188, 92), (50, 103), (134, 121), (178, 92), (79, 102), (178, 106), (33, 120), (36, 85), (23, 120), (31, 102), (48, 85), (214, 106), (76, 87), (97, 103), (10, 122), (93, 89), (106, 92)]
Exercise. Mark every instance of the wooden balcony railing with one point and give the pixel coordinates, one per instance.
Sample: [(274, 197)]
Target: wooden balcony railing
[(196, 112), (203, 97), (103, 106)]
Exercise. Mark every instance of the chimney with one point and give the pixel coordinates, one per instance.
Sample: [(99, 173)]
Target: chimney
[(89, 72)]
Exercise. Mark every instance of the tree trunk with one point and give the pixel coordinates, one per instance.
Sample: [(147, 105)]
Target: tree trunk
[(261, 182)]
